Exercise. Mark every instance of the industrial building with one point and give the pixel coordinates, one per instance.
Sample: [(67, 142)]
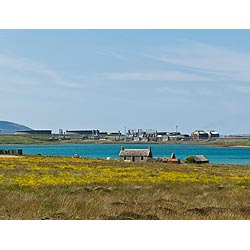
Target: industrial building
[(201, 134), (83, 132), (213, 134)]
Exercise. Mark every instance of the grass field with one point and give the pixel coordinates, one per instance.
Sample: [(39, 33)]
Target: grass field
[(35, 187), (24, 139)]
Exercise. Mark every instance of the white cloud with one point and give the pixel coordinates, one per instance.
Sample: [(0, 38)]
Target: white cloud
[(190, 61), (110, 53), (193, 91), (154, 76), (23, 71), (241, 89), (220, 62)]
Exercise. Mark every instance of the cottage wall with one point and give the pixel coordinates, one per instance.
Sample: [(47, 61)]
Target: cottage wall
[(135, 154), (134, 158)]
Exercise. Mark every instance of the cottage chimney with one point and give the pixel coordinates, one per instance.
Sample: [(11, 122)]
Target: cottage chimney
[(173, 156)]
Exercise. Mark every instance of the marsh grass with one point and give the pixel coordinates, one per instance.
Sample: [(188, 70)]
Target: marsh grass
[(64, 188)]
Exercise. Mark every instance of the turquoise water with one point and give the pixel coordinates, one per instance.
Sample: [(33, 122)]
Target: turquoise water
[(214, 154)]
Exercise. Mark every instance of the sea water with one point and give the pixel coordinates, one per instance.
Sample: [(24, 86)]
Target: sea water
[(223, 155)]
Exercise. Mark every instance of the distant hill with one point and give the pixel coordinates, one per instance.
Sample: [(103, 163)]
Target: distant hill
[(10, 127)]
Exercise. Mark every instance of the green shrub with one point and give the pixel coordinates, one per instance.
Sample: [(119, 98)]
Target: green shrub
[(189, 159)]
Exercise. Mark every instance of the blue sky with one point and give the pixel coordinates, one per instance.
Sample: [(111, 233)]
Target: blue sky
[(109, 79)]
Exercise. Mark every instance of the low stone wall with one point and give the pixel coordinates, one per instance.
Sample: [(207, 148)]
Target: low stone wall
[(11, 151)]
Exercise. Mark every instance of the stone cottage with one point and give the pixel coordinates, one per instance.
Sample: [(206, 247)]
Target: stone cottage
[(135, 154)]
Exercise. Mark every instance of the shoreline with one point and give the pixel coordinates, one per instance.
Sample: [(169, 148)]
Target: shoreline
[(196, 143)]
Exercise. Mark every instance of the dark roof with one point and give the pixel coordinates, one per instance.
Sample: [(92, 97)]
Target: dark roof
[(136, 152), (79, 130)]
